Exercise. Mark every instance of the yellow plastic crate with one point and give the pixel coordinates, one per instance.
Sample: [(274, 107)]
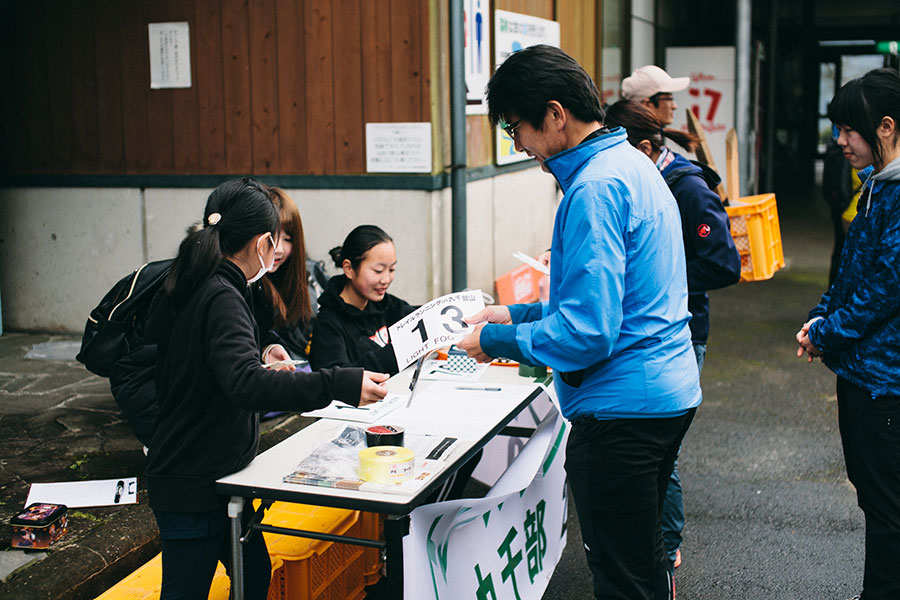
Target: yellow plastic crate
[(145, 583), (757, 236), (316, 569), (372, 525)]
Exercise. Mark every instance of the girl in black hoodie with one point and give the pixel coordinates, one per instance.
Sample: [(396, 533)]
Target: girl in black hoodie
[(211, 385), (351, 328)]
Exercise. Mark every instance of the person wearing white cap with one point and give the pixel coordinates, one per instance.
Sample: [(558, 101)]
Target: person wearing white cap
[(653, 87)]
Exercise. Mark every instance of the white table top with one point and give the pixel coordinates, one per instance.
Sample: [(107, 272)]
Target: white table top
[(439, 408)]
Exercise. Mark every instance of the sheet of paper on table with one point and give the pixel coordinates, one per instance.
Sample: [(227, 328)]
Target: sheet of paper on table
[(457, 409), (365, 414), (336, 463)]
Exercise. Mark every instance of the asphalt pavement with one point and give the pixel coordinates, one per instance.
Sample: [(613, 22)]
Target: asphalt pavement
[(770, 513)]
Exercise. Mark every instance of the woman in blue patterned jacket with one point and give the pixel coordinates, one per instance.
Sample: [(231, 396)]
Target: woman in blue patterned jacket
[(855, 328)]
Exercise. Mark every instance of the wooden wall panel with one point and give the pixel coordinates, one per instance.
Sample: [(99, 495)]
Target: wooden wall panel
[(319, 91), (236, 80), (185, 104), (406, 43), (376, 76), (291, 75), (82, 67), (14, 104), (160, 103), (264, 86), (348, 118), (135, 88), (108, 61), (536, 8), (278, 86), (209, 80), (58, 51)]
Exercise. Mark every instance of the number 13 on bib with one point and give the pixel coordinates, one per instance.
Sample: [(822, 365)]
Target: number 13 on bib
[(439, 323)]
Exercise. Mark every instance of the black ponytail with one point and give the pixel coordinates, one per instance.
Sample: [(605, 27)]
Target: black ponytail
[(357, 245), (235, 212)]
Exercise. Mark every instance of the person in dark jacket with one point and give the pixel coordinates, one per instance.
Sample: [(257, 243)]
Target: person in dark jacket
[(281, 305), (351, 328), (285, 313), (211, 384), (855, 328), (713, 261)]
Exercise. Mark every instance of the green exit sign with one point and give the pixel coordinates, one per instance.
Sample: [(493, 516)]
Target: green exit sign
[(886, 47)]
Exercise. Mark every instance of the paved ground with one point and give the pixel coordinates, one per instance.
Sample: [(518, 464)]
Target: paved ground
[(770, 512)]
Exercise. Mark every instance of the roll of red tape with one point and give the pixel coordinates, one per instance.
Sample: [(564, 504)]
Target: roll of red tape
[(384, 435)]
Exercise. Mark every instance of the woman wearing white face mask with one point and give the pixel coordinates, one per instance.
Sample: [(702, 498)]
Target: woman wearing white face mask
[(211, 385)]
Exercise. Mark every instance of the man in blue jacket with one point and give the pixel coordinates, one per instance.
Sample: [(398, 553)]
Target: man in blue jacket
[(615, 328)]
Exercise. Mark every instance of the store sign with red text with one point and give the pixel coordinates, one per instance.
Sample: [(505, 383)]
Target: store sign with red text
[(710, 96)]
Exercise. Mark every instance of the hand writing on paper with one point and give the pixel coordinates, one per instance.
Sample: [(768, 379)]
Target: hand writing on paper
[(806, 344), (373, 387)]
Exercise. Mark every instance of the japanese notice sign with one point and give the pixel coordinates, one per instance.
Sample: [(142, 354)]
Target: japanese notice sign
[(170, 55), (439, 323), (398, 147)]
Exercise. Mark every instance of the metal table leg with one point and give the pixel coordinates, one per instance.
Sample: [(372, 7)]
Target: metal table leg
[(235, 508), (395, 529)]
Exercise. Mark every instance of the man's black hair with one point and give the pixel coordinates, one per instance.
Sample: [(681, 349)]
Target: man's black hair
[(530, 78)]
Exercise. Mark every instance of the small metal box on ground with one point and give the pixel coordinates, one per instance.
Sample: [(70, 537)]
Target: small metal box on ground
[(38, 525)]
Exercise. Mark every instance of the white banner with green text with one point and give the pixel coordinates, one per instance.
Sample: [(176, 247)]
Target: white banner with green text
[(503, 546)]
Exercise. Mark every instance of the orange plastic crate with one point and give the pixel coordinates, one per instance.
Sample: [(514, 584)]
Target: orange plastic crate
[(372, 525), (316, 569), (757, 236)]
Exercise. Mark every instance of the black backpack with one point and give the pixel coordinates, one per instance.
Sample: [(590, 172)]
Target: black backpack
[(115, 326)]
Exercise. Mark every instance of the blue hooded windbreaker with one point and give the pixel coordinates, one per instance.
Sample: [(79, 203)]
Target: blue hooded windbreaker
[(860, 330), (618, 292)]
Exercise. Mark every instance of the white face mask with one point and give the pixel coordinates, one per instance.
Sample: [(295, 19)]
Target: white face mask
[(263, 269)]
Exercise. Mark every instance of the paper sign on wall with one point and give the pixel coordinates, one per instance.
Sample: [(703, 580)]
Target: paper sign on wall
[(170, 55), (439, 323), (477, 55), (398, 147)]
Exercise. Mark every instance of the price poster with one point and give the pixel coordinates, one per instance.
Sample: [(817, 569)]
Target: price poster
[(439, 323)]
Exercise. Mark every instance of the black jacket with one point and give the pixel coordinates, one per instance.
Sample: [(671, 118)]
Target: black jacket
[(210, 385), (294, 338), (343, 335), (712, 259)]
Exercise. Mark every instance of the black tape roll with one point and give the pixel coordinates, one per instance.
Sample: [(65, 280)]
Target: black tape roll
[(384, 435)]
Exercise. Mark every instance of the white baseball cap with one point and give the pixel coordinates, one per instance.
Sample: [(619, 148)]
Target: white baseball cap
[(650, 80)]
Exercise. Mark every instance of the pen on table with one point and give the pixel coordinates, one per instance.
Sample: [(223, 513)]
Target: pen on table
[(477, 389)]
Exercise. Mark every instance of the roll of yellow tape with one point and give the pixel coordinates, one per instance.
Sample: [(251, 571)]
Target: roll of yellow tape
[(386, 464)]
